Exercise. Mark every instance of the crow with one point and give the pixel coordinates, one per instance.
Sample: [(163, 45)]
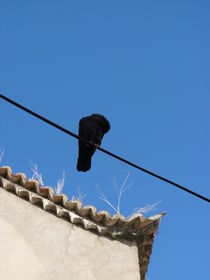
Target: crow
[(91, 128)]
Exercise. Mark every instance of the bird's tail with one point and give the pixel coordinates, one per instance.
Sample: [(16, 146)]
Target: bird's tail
[(83, 163)]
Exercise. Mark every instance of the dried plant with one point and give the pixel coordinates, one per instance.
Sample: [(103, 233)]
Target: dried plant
[(118, 191), (1, 154), (80, 196), (38, 177), (60, 184), (36, 174), (146, 209)]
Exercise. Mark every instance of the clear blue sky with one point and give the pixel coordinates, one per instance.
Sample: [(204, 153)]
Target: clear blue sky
[(145, 66)]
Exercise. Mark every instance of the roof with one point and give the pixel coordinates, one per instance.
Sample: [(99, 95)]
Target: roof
[(136, 228)]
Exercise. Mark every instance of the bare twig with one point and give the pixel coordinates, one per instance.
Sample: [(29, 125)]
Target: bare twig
[(1, 154), (80, 196), (60, 184), (147, 208), (103, 197), (122, 190), (36, 175), (118, 190)]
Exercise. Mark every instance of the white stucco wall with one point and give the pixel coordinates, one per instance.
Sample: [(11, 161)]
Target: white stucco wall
[(35, 245)]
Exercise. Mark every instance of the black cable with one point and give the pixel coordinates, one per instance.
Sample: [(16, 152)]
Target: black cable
[(101, 149)]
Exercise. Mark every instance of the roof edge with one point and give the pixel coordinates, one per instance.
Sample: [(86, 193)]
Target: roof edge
[(137, 228)]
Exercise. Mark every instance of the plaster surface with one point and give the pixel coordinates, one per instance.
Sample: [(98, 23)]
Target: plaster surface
[(35, 244)]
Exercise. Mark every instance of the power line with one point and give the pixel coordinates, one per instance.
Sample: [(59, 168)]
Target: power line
[(101, 149)]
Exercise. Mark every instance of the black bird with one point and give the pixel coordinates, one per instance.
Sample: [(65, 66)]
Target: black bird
[(91, 128)]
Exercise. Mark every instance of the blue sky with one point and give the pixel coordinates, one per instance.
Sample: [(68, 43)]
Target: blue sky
[(145, 66)]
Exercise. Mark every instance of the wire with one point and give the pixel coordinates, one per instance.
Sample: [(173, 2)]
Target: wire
[(101, 149)]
